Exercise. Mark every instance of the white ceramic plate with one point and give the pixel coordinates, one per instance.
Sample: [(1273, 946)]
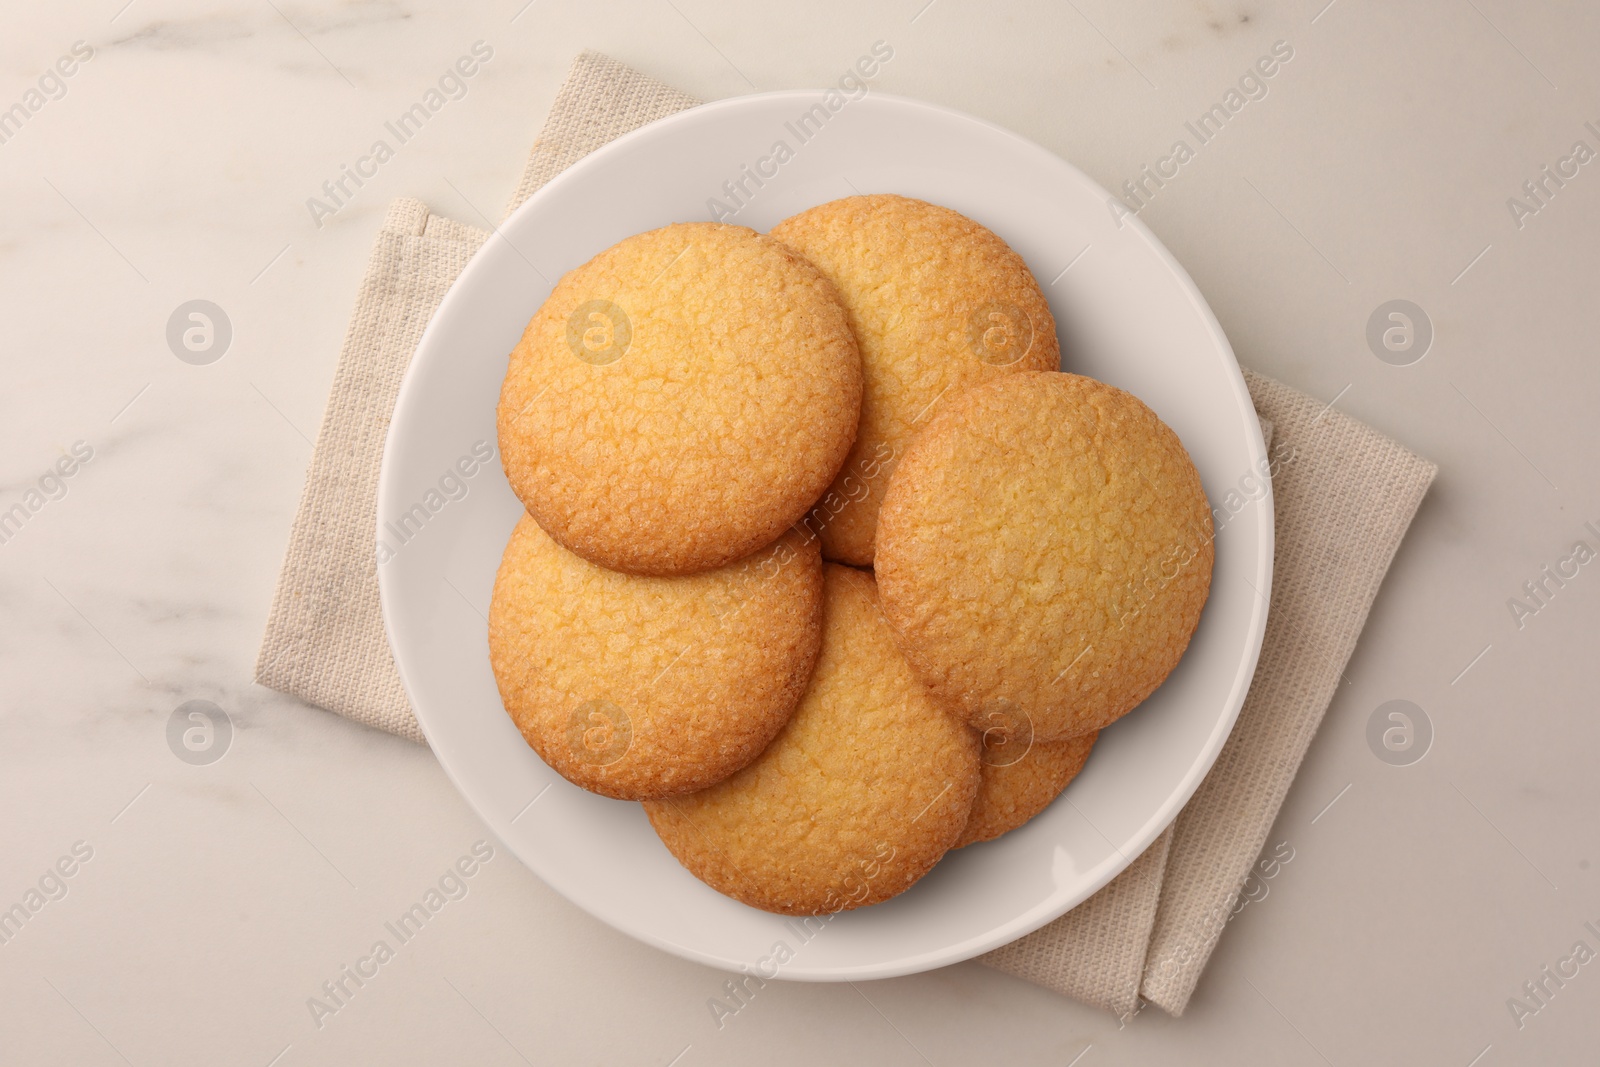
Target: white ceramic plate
[(1127, 313)]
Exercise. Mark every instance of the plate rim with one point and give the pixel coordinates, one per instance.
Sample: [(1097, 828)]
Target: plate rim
[(1029, 921)]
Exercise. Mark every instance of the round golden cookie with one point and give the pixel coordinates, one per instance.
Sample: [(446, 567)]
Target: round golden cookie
[(680, 400), (1045, 545), (864, 790), (639, 687), (938, 303), (1017, 785)]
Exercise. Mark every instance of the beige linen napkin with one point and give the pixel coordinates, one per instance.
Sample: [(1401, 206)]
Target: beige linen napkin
[(1344, 495)]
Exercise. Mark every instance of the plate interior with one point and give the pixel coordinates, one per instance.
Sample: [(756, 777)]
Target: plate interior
[(1127, 314)]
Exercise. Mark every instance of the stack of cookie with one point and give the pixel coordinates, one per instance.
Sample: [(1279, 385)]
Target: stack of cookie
[(824, 561)]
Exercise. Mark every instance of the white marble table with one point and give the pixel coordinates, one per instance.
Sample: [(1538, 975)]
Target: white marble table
[(207, 903)]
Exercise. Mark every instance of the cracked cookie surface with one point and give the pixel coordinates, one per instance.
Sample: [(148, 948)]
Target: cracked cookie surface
[(857, 798), (1045, 545), (938, 304), (639, 687), (680, 400)]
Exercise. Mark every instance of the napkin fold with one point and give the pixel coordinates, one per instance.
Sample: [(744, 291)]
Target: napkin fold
[(324, 641), (1344, 495)]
